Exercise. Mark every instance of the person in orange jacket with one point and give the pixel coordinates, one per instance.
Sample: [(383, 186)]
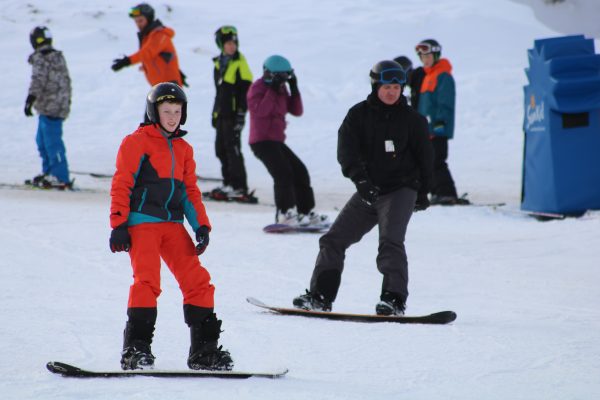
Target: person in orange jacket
[(153, 188), (157, 52)]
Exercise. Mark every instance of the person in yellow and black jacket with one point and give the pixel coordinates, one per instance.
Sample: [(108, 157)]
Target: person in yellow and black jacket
[(232, 77)]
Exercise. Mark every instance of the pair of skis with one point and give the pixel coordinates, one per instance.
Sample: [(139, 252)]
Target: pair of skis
[(109, 176), (68, 370)]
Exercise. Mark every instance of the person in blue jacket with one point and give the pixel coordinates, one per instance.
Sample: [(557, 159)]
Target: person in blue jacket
[(437, 98)]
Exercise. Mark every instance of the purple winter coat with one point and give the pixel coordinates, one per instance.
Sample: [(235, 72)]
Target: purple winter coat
[(267, 111)]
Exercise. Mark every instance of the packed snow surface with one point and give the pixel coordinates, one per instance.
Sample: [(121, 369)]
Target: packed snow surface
[(526, 292)]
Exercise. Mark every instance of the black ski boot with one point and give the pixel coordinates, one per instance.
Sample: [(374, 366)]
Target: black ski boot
[(204, 350), (312, 301), (390, 304), (137, 339)]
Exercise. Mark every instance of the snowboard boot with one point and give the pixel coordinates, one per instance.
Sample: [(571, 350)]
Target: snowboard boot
[(289, 217), (137, 339), (221, 193), (36, 180), (312, 301), (242, 196), (204, 350), (390, 304), (52, 182), (313, 219)]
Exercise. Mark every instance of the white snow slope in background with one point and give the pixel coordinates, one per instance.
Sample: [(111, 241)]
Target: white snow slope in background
[(526, 292)]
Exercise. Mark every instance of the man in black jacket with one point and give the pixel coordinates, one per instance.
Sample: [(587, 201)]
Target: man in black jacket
[(384, 148)]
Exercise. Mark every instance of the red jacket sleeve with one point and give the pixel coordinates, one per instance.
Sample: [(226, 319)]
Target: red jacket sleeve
[(157, 42), (129, 158)]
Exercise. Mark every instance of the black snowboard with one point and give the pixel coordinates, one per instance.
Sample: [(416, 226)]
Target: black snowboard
[(443, 317), (75, 372)]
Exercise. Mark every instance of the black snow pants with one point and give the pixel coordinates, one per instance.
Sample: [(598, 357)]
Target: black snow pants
[(291, 179), (228, 148), (391, 212), (443, 184)]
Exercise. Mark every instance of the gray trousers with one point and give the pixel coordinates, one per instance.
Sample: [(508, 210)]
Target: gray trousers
[(391, 212)]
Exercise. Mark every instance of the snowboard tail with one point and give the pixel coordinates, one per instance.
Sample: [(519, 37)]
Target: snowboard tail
[(439, 318), (71, 371)]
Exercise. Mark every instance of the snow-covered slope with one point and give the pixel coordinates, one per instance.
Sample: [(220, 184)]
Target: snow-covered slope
[(525, 292), (568, 16)]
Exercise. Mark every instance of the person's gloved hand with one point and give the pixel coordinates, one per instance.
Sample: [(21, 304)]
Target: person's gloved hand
[(183, 79), (367, 191), (28, 104), (119, 63), (202, 238), (120, 239), (439, 128), (240, 120), (422, 202), (293, 82)]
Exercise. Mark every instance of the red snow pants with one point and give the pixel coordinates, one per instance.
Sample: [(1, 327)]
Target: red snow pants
[(170, 241)]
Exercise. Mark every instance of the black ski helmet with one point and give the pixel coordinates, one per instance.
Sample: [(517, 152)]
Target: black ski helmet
[(142, 9), (429, 46), (386, 72), (166, 91), (405, 62), (225, 34), (39, 36)]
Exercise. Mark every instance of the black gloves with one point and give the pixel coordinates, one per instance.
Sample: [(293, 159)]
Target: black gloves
[(240, 120), (28, 104), (367, 191), (422, 202), (120, 239), (183, 78), (119, 63), (202, 238), (293, 82)]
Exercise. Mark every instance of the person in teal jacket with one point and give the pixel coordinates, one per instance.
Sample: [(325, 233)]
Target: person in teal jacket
[(437, 98)]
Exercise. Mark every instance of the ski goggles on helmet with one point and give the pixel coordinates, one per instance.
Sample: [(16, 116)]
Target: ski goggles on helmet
[(389, 76), (135, 12), (226, 30), (280, 76), (427, 48)]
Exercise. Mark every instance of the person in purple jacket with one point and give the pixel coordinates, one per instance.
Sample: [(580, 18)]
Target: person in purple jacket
[(268, 103)]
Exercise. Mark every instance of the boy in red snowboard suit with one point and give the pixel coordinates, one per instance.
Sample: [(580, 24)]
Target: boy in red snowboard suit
[(153, 188)]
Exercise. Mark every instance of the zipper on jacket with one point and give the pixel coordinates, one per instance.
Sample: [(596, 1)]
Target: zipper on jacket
[(143, 199)]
